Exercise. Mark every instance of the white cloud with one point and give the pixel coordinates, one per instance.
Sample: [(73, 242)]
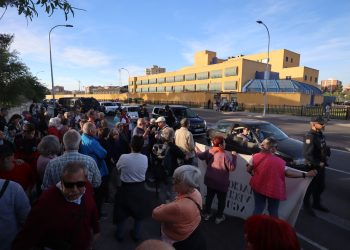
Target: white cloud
[(86, 57)]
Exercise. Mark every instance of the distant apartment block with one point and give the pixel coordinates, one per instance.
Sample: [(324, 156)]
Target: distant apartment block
[(105, 89), (330, 84), (58, 89), (154, 70)]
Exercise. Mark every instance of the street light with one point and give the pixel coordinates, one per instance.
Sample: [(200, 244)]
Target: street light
[(52, 84), (266, 75), (128, 80), (126, 71)]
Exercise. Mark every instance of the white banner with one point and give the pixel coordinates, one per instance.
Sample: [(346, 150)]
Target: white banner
[(240, 198)]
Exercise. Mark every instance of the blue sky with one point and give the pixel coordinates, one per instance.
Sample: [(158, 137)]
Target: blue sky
[(135, 34)]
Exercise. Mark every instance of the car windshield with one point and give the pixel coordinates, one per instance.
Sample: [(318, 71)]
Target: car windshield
[(271, 130), (90, 101), (108, 104), (133, 109), (184, 113), (222, 126)]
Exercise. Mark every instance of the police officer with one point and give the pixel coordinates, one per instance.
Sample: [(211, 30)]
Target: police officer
[(315, 153)]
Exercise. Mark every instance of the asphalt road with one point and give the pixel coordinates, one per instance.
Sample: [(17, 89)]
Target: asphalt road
[(326, 231)]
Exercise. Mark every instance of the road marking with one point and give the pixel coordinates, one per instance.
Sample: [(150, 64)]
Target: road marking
[(335, 220), (345, 150), (311, 242), (337, 170)]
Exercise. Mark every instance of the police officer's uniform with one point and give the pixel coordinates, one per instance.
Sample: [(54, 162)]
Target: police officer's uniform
[(315, 151)]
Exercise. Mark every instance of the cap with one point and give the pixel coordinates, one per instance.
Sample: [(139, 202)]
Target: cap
[(319, 119), (160, 119)]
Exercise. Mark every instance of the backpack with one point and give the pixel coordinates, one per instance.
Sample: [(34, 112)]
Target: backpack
[(161, 161)]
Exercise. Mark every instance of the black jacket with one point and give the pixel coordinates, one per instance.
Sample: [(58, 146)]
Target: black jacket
[(315, 149)]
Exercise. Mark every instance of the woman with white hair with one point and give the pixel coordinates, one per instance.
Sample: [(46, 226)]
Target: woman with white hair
[(49, 147), (54, 126), (180, 219)]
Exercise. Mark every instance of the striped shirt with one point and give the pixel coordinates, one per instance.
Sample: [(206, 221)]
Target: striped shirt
[(54, 168)]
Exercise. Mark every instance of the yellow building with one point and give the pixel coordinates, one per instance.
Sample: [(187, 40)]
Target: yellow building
[(210, 78), (230, 73), (287, 64), (207, 74)]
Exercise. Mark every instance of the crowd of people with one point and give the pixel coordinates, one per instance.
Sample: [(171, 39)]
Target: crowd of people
[(57, 172)]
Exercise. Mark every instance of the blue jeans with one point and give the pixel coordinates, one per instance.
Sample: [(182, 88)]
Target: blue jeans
[(260, 202)]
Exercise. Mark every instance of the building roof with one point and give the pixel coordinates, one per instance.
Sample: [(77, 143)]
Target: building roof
[(286, 86)]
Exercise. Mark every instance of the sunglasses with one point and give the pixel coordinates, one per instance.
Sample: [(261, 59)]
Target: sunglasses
[(78, 184)]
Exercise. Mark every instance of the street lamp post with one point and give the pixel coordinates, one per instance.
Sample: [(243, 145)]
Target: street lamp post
[(128, 79), (266, 75), (52, 83)]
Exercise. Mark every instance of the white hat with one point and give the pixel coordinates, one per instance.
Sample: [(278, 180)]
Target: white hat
[(160, 119)]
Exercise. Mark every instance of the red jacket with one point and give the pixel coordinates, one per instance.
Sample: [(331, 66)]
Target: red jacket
[(22, 174), (54, 131), (269, 176), (53, 220)]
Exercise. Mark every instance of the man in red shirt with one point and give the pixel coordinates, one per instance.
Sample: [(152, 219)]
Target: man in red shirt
[(64, 217), (21, 173)]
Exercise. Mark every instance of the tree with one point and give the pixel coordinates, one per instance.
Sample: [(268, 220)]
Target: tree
[(28, 8), (15, 79)]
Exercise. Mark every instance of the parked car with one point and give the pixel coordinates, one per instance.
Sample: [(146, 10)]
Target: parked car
[(111, 107), (85, 103), (198, 125), (288, 149), (132, 111)]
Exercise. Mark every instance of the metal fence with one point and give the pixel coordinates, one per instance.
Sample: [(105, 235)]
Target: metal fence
[(341, 113)]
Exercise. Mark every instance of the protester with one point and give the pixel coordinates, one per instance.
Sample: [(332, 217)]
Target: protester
[(15, 122), (161, 124), (142, 130), (90, 146), (126, 122), (21, 173), (268, 177), (3, 114), (131, 199), (123, 135), (262, 232), (165, 159), (10, 133), (64, 126), (27, 146), (71, 142), (143, 113), (42, 125), (92, 116), (54, 127), (115, 148), (49, 148), (64, 217), (184, 140), (169, 116), (181, 218), (219, 166), (14, 203)]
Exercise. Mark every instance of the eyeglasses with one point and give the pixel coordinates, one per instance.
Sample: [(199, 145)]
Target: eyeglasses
[(78, 184)]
